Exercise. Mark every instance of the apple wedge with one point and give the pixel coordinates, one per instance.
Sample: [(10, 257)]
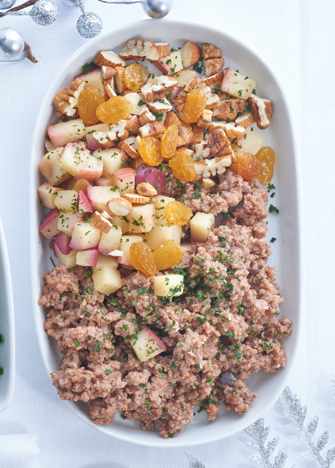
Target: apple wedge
[(62, 241), (67, 221), (159, 234), (76, 160), (170, 64), (68, 260), (106, 280), (201, 224), (112, 160), (124, 180), (48, 194), (105, 261), (66, 201), (84, 205), (168, 285), (110, 241), (84, 236), (49, 226), (142, 218), (99, 197), (147, 344), (63, 133), (51, 169), (88, 258), (237, 85), (125, 243), (251, 143), (160, 202), (93, 78)]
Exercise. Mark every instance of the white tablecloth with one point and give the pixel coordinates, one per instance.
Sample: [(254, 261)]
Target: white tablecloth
[(297, 39)]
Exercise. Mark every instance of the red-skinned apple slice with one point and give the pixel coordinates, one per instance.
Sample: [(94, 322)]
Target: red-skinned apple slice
[(147, 344), (48, 194), (110, 241), (68, 260), (63, 243), (50, 168), (100, 196), (63, 133), (49, 227), (124, 179), (76, 160), (67, 221), (84, 236), (237, 85), (93, 79), (104, 182), (87, 258), (84, 205)]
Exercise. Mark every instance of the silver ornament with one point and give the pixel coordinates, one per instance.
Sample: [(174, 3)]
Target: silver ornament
[(89, 25), (71, 3), (153, 8), (44, 12), (157, 8), (5, 4), (11, 45)]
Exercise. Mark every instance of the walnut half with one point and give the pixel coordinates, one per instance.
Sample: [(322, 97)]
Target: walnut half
[(65, 102)]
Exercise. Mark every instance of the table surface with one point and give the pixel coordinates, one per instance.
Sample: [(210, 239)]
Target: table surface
[(297, 39)]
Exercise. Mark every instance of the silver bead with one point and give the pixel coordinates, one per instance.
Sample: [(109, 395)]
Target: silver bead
[(89, 25), (5, 4), (44, 12), (157, 8), (11, 45), (71, 3)]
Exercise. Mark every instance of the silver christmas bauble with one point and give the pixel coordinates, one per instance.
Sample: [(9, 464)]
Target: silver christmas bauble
[(71, 3), (5, 4), (11, 44), (44, 12), (157, 8), (89, 25)]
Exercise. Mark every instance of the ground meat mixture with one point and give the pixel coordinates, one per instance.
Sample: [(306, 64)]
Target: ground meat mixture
[(225, 322)]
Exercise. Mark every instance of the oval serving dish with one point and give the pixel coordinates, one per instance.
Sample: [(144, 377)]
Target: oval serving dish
[(285, 227)]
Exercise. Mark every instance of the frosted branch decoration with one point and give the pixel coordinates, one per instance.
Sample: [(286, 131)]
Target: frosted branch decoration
[(295, 412), (260, 433), (194, 463)]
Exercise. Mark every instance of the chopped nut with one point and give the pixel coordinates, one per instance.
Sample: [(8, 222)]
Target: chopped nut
[(190, 53), (192, 84), (120, 206), (65, 102), (138, 199), (229, 109), (146, 117), (180, 141), (163, 105), (146, 189), (171, 119), (136, 49), (207, 183), (115, 253), (213, 66), (205, 118), (245, 120), (202, 150), (109, 86), (100, 222), (128, 149), (115, 132), (218, 142), (210, 51), (180, 100), (163, 48), (198, 135), (183, 77), (151, 129), (133, 124), (158, 87), (119, 79), (231, 129), (109, 59), (261, 110), (211, 167), (107, 72), (186, 132), (215, 79)]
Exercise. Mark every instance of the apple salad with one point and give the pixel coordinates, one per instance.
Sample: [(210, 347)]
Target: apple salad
[(151, 186)]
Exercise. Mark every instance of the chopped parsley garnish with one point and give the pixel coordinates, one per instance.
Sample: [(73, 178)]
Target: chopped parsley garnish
[(88, 66), (273, 239), (273, 209)]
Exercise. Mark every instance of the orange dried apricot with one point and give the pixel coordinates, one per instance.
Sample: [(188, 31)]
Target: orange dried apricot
[(115, 109), (88, 101), (133, 77), (150, 151), (194, 106), (169, 142), (266, 157), (168, 255), (142, 258), (247, 165), (182, 166), (178, 213)]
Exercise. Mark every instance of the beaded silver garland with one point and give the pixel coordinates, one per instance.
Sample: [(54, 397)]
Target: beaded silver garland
[(44, 12), (154, 8), (5, 4), (11, 45)]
